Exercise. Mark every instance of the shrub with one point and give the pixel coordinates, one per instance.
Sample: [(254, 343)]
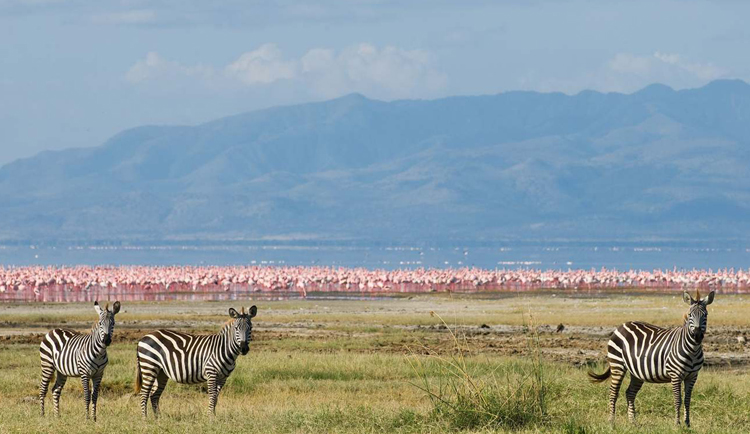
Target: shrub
[(466, 400)]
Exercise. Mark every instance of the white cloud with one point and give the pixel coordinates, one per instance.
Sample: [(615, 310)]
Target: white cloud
[(704, 71), (627, 63), (138, 16), (665, 67), (29, 2), (388, 72), (627, 72), (262, 66), (155, 67), (672, 59)]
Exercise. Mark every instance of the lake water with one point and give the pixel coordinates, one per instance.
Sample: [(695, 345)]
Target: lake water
[(552, 256)]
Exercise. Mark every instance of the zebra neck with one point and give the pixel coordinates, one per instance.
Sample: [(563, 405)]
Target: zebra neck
[(97, 344), (688, 343), (232, 349)]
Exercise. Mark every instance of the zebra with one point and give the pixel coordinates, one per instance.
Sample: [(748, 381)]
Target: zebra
[(68, 353), (653, 354), (191, 359)]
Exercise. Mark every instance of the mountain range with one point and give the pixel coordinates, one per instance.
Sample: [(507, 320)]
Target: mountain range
[(658, 164)]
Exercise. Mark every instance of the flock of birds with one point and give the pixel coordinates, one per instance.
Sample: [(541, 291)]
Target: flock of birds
[(302, 279)]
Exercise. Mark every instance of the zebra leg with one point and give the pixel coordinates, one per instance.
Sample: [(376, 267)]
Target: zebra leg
[(48, 370), (677, 391), (160, 384), (47, 373), (213, 394), (57, 390), (95, 382), (147, 382), (614, 389), (633, 388), (86, 393), (689, 383), (219, 385)]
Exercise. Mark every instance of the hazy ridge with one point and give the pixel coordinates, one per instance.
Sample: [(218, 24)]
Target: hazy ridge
[(656, 165)]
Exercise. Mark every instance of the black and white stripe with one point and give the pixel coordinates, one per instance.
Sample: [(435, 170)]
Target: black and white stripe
[(68, 353), (653, 354), (191, 359)]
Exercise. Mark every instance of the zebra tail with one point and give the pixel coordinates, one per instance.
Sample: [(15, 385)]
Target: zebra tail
[(138, 375), (598, 378)]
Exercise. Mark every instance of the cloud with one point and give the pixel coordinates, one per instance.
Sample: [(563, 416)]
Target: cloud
[(138, 16), (662, 65), (627, 63), (388, 72), (704, 71), (262, 66), (628, 72), (667, 68), (29, 3), (232, 13), (155, 67)]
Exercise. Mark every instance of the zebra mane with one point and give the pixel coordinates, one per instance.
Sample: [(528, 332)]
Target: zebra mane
[(229, 322)]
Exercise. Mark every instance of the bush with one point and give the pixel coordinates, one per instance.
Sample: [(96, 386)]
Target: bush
[(467, 401)]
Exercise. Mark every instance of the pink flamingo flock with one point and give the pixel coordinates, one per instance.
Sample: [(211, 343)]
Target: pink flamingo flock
[(35, 282)]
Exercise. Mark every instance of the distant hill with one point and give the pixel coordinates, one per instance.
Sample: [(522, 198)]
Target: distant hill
[(658, 164)]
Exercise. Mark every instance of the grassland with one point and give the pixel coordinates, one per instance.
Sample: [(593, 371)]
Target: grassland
[(357, 366)]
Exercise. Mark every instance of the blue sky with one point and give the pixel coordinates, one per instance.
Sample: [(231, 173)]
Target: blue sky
[(73, 73)]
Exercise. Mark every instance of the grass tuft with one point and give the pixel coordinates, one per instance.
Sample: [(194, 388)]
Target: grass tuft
[(466, 399)]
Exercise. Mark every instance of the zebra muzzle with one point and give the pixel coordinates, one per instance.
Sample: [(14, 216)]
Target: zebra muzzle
[(244, 348)]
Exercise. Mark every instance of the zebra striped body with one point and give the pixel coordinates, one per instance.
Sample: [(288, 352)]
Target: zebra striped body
[(68, 353), (190, 359), (654, 354)]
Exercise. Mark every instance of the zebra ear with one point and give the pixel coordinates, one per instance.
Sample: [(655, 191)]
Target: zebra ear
[(116, 307), (233, 313), (710, 298), (97, 308), (253, 311), (687, 298)]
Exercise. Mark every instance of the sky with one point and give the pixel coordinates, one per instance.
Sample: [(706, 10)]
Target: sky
[(74, 73)]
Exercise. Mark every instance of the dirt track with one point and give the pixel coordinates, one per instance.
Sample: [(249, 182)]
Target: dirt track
[(576, 345), (484, 326)]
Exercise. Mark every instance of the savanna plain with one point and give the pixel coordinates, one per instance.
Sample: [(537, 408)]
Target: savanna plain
[(426, 363)]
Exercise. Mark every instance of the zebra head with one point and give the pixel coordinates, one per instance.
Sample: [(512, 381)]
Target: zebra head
[(242, 327), (697, 317), (106, 325)]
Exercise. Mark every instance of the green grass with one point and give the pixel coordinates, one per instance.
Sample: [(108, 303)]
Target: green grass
[(355, 376), (344, 392), (467, 397)]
